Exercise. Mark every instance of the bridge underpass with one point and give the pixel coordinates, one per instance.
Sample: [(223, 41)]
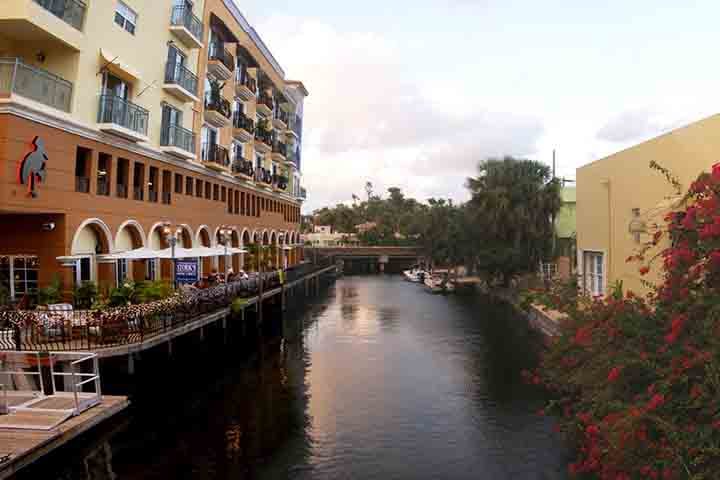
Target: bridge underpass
[(370, 259)]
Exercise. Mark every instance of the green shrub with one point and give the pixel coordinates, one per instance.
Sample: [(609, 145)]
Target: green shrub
[(84, 295), (52, 293)]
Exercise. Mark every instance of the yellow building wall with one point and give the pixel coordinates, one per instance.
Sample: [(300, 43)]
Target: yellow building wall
[(609, 189)]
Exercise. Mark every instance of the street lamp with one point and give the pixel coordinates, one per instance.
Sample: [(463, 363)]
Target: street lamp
[(172, 236)]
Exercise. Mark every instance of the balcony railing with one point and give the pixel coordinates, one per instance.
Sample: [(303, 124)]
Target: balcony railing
[(242, 121), (264, 176), (264, 136), (71, 12), (220, 53), (103, 186), (266, 100), (176, 136), (282, 115), (280, 181), (243, 78), (303, 193), (35, 84), (119, 111), (217, 103), (82, 184), (214, 153), (279, 147), (244, 167), (180, 75), (183, 16)]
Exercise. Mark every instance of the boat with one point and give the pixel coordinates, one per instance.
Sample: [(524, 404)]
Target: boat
[(415, 275), (439, 283)]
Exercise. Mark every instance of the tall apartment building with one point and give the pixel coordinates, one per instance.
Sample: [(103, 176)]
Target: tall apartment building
[(119, 118)]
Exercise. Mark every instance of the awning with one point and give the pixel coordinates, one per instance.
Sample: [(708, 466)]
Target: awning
[(142, 253), (118, 66)]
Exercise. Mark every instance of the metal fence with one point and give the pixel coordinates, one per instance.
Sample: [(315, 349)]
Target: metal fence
[(35, 84), (84, 330), (176, 136), (184, 17), (114, 109)]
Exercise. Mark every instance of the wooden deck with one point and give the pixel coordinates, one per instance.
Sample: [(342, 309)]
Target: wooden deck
[(23, 447)]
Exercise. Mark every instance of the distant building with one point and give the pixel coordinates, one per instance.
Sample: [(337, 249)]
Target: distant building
[(324, 236), (365, 227)]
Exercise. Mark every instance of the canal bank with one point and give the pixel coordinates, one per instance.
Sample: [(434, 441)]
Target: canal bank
[(374, 379)]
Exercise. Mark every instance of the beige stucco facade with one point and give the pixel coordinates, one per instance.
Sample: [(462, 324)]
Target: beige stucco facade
[(622, 189)]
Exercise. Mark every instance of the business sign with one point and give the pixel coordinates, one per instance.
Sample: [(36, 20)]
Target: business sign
[(32, 169), (186, 271)]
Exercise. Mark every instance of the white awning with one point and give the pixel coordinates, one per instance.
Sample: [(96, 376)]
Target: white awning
[(118, 66), (143, 253)]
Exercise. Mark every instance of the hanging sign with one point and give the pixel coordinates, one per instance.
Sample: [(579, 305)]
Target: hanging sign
[(186, 271)]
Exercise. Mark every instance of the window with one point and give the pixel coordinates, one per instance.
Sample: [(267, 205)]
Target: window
[(593, 264), (125, 17), (170, 116), (188, 186), (151, 269), (122, 177), (118, 87), (236, 152), (199, 188), (103, 174), (19, 275), (122, 271), (208, 190), (178, 184), (83, 157), (216, 192), (223, 194)]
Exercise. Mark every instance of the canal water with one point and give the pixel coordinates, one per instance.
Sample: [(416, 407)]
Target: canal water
[(376, 379)]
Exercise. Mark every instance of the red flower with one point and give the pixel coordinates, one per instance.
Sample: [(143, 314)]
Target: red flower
[(695, 391), (644, 270), (716, 172), (614, 374), (657, 400)]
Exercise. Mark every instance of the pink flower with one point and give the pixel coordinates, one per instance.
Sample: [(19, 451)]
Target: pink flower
[(657, 400), (614, 374)]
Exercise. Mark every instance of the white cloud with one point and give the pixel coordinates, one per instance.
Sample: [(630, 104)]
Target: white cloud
[(367, 118)]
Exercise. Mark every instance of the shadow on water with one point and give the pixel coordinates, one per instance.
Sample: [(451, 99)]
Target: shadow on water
[(373, 379)]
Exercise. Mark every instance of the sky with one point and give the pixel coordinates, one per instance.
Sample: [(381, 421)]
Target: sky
[(414, 94)]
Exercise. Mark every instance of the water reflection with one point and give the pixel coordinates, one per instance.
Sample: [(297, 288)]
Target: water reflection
[(378, 379)]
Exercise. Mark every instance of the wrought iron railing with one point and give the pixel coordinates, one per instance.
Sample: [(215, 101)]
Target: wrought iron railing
[(280, 181), (243, 78), (266, 100), (220, 53), (279, 147), (282, 115), (71, 12), (240, 120), (184, 17), (180, 75), (116, 110), (263, 175), (264, 136), (82, 184), (217, 103), (176, 136), (35, 84), (214, 153), (103, 186), (244, 167)]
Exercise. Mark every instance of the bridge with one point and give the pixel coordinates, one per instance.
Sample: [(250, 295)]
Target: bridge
[(370, 259)]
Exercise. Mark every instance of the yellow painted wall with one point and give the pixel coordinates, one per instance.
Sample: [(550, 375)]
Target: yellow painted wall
[(609, 189)]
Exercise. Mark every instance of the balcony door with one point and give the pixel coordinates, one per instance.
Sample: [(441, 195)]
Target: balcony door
[(209, 138), (170, 116), (177, 59), (115, 86)]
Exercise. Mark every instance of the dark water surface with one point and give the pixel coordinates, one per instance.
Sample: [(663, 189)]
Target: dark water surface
[(377, 379)]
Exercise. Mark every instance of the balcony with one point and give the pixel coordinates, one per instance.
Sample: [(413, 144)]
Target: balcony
[(35, 84), (265, 105), (280, 182), (303, 193), (264, 177), (177, 141), (221, 63), (187, 27), (122, 118), (216, 157), (218, 111), (243, 168), (49, 22), (279, 151), (180, 82), (280, 120), (243, 127), (263, 140), (245, 85)]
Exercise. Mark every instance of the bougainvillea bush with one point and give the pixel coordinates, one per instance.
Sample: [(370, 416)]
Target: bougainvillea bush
[(636, 380)]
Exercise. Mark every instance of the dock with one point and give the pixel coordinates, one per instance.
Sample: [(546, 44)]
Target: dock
[(21, 447)]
